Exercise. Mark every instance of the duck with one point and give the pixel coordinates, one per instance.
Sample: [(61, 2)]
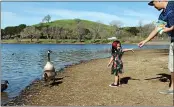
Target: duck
[(49, 70), (4, 85)]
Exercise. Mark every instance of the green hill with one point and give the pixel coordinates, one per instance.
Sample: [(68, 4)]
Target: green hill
[(74, 31), (71, 23)]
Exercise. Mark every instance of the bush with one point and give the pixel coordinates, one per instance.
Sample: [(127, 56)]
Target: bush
[(59, 41), (95, 41), (105, 41), (88, 41), (73, 41)]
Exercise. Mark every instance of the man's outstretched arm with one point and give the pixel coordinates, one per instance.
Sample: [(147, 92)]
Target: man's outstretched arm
[(151, 36)]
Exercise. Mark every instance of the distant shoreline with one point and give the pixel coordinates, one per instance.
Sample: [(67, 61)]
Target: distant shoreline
[(154, 42)]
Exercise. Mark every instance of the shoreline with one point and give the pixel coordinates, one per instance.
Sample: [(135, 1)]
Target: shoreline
[(155, 42), (39, 82), (37, 89), (17, 100)]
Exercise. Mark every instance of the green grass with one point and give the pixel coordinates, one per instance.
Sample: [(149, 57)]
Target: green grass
[(70, 24), (65, 41)]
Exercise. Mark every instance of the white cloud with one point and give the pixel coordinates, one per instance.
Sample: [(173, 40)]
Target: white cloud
[(14, 19), (8, 13), (139, 14), (71, 14), (127, 17), (88, 15), (7, 18)]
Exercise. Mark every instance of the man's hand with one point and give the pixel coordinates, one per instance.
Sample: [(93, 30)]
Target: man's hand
[(141, 44)]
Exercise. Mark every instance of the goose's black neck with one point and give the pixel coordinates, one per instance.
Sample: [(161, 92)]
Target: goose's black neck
[(48, 56)]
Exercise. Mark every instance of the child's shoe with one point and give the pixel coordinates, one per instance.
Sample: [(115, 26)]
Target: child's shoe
[(113, 85)]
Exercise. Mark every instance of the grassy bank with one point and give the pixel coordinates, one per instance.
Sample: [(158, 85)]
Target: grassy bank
[(73, 41), (52, 41)]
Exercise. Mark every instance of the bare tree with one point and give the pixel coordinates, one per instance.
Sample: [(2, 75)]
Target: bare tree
[(146, 29), (59, 33), (140, 28), (46, 29), (104, 34), (30, 32), (46, 19), (115, 28), (116, 23), (79, 29), (96, 30)]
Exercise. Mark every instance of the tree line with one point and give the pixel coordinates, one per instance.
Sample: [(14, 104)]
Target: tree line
[(80, 32)]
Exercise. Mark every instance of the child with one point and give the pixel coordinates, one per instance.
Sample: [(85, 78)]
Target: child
[(117, 66)]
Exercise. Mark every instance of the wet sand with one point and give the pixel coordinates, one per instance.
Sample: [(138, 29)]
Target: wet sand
[(87, 84)]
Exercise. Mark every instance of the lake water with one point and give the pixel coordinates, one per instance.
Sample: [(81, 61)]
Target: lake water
[(22, 63)]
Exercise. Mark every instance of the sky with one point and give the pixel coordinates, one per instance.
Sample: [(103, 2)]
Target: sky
[(29, 13)]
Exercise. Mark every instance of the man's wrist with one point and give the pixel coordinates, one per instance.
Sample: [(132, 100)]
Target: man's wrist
[(145, 41)]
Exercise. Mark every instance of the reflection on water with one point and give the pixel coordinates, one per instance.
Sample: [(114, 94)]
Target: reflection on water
[(21, 64)]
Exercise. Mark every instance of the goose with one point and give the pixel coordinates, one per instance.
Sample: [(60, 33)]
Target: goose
[(4, 85), (49, 70)]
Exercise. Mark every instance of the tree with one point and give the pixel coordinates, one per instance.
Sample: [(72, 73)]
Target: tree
[(2, 34), (82, 32), (21, 27), (116, 23), (9, 31), (132, 30), (96, 30), (46, 28), (104, 34), (30, 32), (46, 31), (56, 32), (79, 29), (77, 20), (115, 28), (69, 33), (19, 30), (18, 37), (147, 28), (140, 28), (46, 19)]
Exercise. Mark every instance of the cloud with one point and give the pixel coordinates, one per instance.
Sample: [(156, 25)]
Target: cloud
[(14, 19), (70, 14), (7, 18), (139, 14), (88, 15), (106, 18), (35, 15)]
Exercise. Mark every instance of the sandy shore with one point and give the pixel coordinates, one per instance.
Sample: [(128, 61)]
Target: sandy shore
[(87, 84)]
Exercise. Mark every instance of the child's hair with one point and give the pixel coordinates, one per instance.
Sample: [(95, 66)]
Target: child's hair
[(114, 46)]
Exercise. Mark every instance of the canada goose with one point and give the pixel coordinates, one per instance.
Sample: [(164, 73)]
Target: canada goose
[(4, 85), (49, 70)]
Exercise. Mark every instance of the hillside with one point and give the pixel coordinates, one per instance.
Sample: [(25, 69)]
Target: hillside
[(71, 23), (74, 31)]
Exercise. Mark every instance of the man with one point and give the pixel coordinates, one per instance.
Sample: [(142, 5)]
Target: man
[(166, 15)]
